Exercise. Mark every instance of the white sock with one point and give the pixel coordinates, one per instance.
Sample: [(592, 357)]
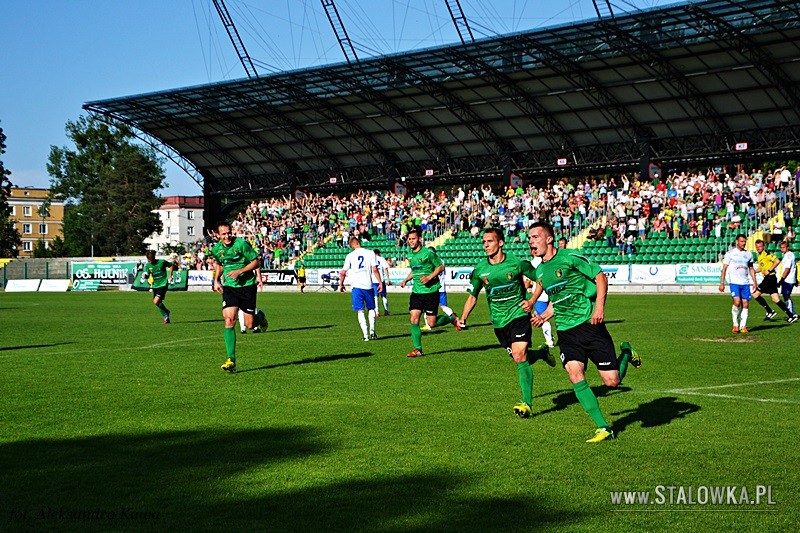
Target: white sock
[(241, 319), (363, 323), (735, 315), (789, 305), (371, 316), (743, 318), (385, 304), (447, 310), (547, 331)]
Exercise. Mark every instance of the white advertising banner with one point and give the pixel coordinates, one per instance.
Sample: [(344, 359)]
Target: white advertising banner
[(617, 274), (457, 276), (200, 277), (701, 273), (54, 285), (653, 274), (22, 285)]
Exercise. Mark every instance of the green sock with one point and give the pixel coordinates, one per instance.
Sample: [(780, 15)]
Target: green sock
[(443, 320), (525, 381), (589, 403), (162, 309), (624, 359), (230, 343), (416, 336), (534, 355)]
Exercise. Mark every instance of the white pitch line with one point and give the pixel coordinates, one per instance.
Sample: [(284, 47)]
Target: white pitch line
[(731, 397), (732, 385)]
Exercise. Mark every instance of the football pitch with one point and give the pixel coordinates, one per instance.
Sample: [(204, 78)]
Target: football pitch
[(113, 421)]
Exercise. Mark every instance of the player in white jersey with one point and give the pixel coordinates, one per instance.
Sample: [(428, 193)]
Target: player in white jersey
[(383, 270), (788, 278), (740, 263), (442, 294), (361, 269), (541, 306)]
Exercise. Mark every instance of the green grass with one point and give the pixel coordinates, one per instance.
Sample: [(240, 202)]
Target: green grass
[(106, 409)]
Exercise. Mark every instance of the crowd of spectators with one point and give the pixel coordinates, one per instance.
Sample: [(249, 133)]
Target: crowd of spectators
[(619, 210)]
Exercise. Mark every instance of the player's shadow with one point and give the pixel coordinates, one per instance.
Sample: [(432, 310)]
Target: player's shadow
[(658, 412), (326, 326), (466, 349), (309, 360), (769, 325), (250, 479), (568, 398), (220, 319), (618, 321), (7, 348), (437, 331)]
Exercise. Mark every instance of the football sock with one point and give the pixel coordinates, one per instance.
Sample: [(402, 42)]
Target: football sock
[(230, 343), (534, 355), (782, 307), (589, 403), (385, 304), (547, 331), (162, 309), (371, 316), (442, 320), (743, 318), (362, 321), (763, 303), (241, 319), (624, 359), (525, 381), (446, 310), (735, 315), (789, 304), (416, 336)]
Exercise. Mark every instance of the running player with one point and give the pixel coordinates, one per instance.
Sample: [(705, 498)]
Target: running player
[(768, 266), (788, 278), (361, 267), (442, 293), (383, 270), (157, 271), (572, 282)]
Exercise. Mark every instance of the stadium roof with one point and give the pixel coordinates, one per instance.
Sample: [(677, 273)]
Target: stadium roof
[(681, 85)]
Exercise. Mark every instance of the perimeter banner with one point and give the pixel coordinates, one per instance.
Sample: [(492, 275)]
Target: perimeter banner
[(106, 274), (180, 281)]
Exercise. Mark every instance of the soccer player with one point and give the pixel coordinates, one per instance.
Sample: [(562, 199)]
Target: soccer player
[(768, 265), (788, 278), (425, 269), (361, 267), (235, 279), (383, 270), (740, 262), (543, 302), (442, 293), (258, 324), (156, 269), (503, 275), (572, 281)]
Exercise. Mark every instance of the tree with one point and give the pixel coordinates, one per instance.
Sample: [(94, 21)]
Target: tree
[(10, 241), (109, 186)]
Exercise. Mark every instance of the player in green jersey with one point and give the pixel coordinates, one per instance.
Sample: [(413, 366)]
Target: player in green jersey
[(577, 289), (157, 271), (235, 273), (425, 269), (503, 276)]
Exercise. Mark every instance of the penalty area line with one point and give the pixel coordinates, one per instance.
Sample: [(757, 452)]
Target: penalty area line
[(733, 385)]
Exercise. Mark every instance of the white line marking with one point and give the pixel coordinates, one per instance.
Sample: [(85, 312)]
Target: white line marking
[(730, 397), (732, 385)]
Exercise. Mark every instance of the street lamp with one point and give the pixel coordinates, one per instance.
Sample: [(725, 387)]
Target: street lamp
[(91, 233)]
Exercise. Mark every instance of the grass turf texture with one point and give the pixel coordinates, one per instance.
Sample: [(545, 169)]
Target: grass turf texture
[(106, 409)]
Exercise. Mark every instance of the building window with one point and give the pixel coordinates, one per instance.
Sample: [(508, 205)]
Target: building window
[(26, 211), (26, 229), (168, 215), (27, 246), (13, 210), (190, 215), (42, 229), (190, 230)]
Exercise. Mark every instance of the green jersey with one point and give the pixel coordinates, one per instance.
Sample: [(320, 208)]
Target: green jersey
[(158, 271), (423, 263), (568, 279), (238, 255), (505, 287)]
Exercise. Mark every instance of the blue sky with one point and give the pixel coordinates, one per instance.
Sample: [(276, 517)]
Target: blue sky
[(58, 54)]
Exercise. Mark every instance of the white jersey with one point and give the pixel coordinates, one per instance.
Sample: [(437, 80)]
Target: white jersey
[(358, 264), (789, 263), (536, 261), (739, 263), (383, 268)]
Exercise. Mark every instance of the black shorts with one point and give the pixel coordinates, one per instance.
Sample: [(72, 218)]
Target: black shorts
[(301, 280), (427, 302), (518, 330), (160, 292), (768, 285), (242, 297), (588, 342)]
